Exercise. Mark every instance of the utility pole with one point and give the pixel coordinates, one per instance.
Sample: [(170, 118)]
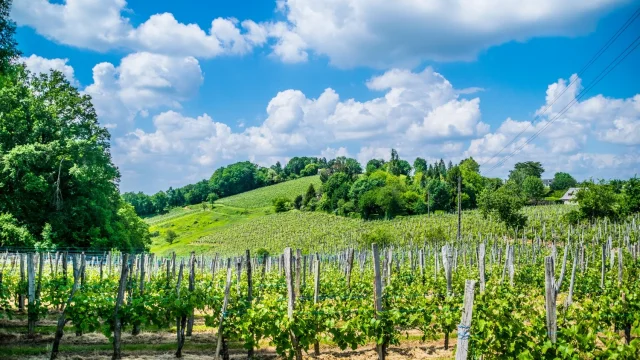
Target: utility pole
[(459, 208)]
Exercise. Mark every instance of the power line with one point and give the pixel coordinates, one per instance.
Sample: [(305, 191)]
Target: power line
[(612, 65), (595, 57)]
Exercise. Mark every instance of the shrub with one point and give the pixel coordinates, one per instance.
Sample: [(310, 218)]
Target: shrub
[(281, 204), (170, 236)]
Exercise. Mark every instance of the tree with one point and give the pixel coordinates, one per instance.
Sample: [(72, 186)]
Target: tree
[(8, 46), (563, 181), (55, 165), (470, 164), (309, 195), (631, 191), (281, 204), (393, 166), (212, 198), (373, 165), (420, 166), (523, 169), (297, 202), (597, 201), (505, 202), (533, 188), (309, 170), (170, 236), (439, 195)]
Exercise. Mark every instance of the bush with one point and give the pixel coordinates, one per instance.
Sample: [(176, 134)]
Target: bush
[(281, 204), (170, 236), (573, 217), (380, 236), (154, 234), (297, 202)]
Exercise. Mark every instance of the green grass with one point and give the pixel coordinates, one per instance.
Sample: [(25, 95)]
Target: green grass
[(193, 224), (263, 197)]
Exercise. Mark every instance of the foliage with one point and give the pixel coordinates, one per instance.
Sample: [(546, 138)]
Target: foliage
[(632, 195), (12, 234), (373, 165), (170, 236), (523, 169), (598, 201), (8, 46), (533, 188), (55, 165), (506, 203), (281, 204), (563, 181)]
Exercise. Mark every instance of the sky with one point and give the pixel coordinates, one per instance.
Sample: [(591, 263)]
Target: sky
[(186, 87)]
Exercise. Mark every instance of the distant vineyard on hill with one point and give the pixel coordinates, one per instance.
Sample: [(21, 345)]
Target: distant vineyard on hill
[(322, 232), (263, 197)]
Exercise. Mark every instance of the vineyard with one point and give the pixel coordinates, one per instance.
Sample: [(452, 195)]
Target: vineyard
[(551, 291), (263, 197)]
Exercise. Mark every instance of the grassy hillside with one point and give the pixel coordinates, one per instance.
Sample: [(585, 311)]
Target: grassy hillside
[(263, 197), (247, 221)]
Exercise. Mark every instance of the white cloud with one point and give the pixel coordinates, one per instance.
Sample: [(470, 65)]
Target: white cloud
[(560, 139), (37, 64), (350, 33), (298, 125), (141, 82), (331, 153), (383, 33), (101, 26)]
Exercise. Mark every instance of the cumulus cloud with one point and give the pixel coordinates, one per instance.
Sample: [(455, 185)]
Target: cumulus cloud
[(383, 33), (141, 82), (37, 64), (296, 124), (562, 136), (350, 33), (101, 26)]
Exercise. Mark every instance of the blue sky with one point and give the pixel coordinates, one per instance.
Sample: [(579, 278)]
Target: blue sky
[(186, 87)]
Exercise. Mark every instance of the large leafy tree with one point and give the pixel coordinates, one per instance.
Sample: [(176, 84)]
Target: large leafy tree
[(8, 45), (505, 202), (598, 200), (632, 194), (563, 181), (533, 188), (523, 169), (55, 167)]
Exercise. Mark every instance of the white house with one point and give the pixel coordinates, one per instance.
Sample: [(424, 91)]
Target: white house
[(569, 198)]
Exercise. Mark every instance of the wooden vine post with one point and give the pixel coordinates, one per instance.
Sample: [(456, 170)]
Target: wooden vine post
[(249, 292), (288, 267), (192, 287), (62, 320), (225, 303), (31, 292), (181, 319), (117, 327), (462, 349), (377, 292), (316, 296), (552, 287)]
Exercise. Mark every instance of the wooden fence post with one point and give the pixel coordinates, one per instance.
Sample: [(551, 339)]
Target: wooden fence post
[(223, 311), (316, 296), (465, 322), (481, 255), (288, 259), (377, 292), (116, 316)]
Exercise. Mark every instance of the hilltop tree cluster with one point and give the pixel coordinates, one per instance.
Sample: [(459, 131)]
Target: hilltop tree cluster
[(226, 181)]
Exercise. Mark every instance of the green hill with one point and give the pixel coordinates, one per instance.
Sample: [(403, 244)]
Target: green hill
[(264, 196)]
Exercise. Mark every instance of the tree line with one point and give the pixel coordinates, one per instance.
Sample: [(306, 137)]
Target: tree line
[(386, 189), (225, 181)]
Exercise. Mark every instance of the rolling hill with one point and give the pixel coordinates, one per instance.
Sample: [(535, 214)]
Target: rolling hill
[(263, 197)]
